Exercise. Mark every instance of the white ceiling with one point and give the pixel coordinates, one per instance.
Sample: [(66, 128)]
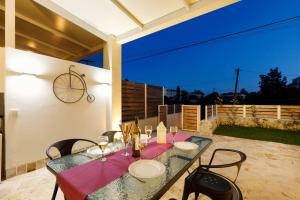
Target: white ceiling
[(128, 20), (149, 10), (107, 17), (102, 14)]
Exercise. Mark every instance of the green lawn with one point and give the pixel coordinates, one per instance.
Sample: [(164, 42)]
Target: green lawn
[(286, 137)]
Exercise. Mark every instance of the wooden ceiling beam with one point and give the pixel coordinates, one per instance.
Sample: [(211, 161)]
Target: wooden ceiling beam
[(128, 13), (85, 54), (41, 42), (50, 5), (51, 30)]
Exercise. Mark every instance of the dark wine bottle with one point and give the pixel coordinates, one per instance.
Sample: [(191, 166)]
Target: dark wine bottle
[(136, 135)]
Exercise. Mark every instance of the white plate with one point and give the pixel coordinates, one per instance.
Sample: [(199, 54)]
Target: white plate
[(146, 169), (96, 151), (186, 146)]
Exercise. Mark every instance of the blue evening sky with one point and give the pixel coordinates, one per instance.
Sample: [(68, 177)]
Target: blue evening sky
[(211, 66)]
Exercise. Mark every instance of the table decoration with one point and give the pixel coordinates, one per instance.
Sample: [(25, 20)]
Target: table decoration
[(161, 133)]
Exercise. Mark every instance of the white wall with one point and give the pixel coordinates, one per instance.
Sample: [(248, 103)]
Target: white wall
[(40, 118)]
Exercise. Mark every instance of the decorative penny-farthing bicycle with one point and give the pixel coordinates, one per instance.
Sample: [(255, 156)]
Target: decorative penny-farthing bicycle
[(71, 87)]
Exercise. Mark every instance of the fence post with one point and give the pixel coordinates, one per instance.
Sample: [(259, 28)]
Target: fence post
[(182, 116), (205, 113), (163, 95), (198, 117), (278, 112), (174, 109), (244, 111), (146, 103), (216, 110)]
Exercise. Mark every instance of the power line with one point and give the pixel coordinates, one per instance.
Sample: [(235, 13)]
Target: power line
[(213, 39)]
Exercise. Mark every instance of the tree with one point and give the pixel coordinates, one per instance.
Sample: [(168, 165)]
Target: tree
[(184, 96), (177, 98), (198, 93), (212, 98), (272, 86), (293, 92), (295, 83), (244, 91)]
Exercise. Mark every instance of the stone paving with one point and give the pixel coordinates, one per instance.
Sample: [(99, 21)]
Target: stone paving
[(271, 172)]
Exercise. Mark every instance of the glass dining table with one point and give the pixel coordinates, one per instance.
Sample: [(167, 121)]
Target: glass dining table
[(176, 161)]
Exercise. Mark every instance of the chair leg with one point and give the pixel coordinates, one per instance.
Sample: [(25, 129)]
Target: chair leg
[(199, 160), (186, 191), (54, 192), (196, 195)]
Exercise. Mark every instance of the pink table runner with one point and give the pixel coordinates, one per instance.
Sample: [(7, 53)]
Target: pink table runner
[(80, 181)]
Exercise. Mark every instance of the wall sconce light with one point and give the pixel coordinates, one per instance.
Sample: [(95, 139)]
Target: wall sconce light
[(28, 74), (104, 83)]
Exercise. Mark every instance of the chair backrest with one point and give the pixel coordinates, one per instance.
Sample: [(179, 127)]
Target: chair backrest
[(238, 163), (110, 135), (65, 146)]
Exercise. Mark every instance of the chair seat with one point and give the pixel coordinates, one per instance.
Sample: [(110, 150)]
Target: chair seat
[(213, 183)]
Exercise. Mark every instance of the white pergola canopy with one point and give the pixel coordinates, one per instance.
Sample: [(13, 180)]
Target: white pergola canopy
[(128, 20)]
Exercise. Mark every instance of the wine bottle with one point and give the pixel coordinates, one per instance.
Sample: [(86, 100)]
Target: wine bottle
[(136, 134)]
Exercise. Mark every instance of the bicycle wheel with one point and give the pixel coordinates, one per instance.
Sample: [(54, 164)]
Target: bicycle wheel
[(68, 88)]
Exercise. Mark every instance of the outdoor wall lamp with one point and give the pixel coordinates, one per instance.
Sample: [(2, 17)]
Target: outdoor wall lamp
[(28, 74)]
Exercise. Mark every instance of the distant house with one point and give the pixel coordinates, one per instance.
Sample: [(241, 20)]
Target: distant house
[(170, 93), (229, 95)]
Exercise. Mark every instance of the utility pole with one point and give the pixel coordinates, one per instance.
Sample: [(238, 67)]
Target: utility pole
[(237, 73)]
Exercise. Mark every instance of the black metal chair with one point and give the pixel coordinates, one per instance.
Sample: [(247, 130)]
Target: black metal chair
[(214, 185), (110, 135), (65, 148)]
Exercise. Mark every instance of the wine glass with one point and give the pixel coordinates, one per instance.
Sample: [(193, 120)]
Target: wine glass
[(143, 142), (103, 142), (148, 131), (125, 129), (173, 130)]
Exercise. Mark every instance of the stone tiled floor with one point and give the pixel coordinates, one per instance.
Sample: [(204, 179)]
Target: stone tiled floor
[(271, 172)]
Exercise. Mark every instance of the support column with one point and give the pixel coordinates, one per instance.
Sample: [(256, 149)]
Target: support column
[(10, 25), (205, 113), (10, 32), (278, 112), (112, 57)]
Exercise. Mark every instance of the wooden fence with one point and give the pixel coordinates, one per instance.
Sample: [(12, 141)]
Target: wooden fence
[(191, 113), (191, 117), (141, 100), (163, 114), (259, 111), (165, 110), (154, 96)]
